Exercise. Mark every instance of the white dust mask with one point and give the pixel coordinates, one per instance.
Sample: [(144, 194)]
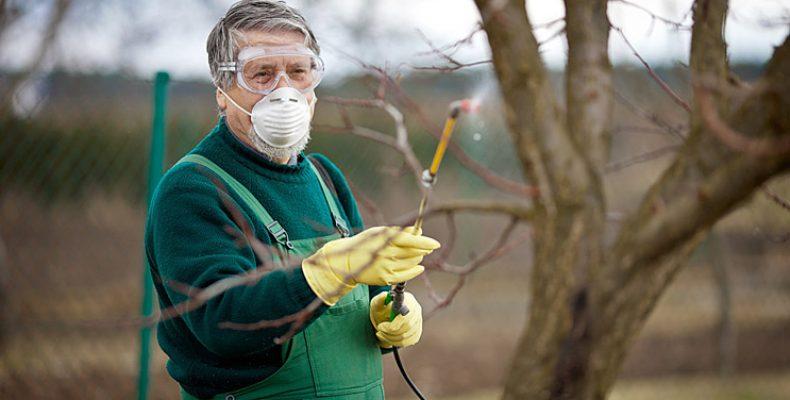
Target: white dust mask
[(281, 118)]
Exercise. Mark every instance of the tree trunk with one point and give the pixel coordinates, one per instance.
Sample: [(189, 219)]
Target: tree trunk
[(588, 299)]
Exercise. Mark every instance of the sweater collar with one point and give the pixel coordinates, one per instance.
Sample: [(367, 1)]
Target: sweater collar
[(254, 159)]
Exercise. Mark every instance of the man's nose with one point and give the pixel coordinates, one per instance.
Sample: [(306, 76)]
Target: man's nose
[(282, 81)]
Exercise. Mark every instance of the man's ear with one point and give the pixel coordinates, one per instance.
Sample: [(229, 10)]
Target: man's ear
[(222, 102)]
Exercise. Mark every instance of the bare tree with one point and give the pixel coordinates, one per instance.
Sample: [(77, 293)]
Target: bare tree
[(9, 13), (589, 297)]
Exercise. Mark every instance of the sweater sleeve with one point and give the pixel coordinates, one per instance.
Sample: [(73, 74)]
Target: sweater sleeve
[(349, 204), (187, 242)]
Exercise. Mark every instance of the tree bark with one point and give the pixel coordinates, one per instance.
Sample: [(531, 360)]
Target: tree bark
[(568, 214), (589, 300)]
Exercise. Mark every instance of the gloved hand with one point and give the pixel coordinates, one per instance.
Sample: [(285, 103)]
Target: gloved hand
[(378, 256), (404, 330)]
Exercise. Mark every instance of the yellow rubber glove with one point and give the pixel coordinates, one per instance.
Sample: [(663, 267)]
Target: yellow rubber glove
[(379, 256), (404, 330)]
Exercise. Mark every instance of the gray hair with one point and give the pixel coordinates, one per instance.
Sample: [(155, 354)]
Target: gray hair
[(251, 15)]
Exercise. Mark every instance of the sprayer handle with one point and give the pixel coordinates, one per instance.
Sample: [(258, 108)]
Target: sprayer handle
[(395, 296)]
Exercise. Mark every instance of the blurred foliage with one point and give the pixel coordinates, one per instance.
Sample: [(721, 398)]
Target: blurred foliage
[(60, 163)]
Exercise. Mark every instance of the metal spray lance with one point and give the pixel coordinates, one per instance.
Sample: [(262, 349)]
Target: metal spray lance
[(428, 180), (396, 294)]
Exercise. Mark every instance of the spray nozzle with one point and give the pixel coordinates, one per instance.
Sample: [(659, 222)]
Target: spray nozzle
[(469, 106)]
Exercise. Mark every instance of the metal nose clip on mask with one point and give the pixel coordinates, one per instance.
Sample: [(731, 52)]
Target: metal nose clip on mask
[(281, 118)]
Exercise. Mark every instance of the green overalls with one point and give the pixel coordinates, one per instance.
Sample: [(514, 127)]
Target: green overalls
[(336, 356)]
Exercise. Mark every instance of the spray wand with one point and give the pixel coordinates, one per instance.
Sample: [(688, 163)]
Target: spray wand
[(396, 294)]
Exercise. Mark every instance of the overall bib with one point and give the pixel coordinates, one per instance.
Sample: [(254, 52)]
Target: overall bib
[(337, 355)]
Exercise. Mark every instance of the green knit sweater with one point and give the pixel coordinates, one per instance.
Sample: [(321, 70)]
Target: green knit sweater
[(186, 243)]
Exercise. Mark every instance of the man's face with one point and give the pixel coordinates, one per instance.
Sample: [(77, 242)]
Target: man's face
[(237, 120)]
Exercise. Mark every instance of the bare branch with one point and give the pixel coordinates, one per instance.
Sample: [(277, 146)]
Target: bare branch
[(452, 63), (664, 86), (367, 203), (199, 297), (9, 14), (500, 247), (60, 8), (653, 130), (487, 175), (558, 33), (707, 180), (644, 157), (399, 143), (653, 118), (443, 302), (778, 200), (675, 24), (451, 48), (298, 319), (245, 232), (549, 24), (196, 298), (449, 244), (758, 147), (514, 209)]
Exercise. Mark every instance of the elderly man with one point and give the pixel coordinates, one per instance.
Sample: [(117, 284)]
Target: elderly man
[(265, 64)]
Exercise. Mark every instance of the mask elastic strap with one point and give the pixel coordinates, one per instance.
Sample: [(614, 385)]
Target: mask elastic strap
[(312, 106), (233, 102)]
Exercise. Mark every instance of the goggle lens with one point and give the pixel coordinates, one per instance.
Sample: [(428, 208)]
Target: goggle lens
[(262, 74)]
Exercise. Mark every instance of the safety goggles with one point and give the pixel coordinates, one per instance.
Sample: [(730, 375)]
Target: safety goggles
[(259, 69)]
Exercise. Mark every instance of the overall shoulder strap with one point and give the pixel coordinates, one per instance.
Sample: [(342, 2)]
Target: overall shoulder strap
[(323, 177), (274, 227)]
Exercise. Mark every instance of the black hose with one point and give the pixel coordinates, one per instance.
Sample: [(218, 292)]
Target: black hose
[(406, 375)]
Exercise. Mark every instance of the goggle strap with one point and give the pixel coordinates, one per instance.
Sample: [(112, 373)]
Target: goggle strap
[(227, 66)]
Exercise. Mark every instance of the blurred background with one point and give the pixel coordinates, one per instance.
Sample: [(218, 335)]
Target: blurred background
[(75, 140)]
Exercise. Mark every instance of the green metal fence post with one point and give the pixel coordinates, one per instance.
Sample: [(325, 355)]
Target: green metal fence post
[(155, 167)]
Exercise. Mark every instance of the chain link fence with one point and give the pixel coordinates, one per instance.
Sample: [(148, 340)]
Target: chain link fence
[(72, 206)]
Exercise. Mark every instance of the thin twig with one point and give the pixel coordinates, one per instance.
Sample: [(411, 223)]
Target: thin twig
[(367, 203), (500, 247), (675, 24), (491, 178), (431, 290), (452, 47), (776, 198), (664, 86), (510, 208), (644, 157), (651, 117), (449, 244)]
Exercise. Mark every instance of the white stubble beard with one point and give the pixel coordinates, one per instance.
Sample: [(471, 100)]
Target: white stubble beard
[(278, 153)]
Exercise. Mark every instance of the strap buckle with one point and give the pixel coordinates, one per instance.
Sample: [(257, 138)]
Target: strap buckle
[(227, 67), (279, 233), (341, 226)]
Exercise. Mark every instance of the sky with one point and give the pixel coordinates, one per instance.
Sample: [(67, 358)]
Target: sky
[(144, 36)]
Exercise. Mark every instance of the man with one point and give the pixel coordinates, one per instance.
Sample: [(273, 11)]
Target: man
[(265, 64)]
